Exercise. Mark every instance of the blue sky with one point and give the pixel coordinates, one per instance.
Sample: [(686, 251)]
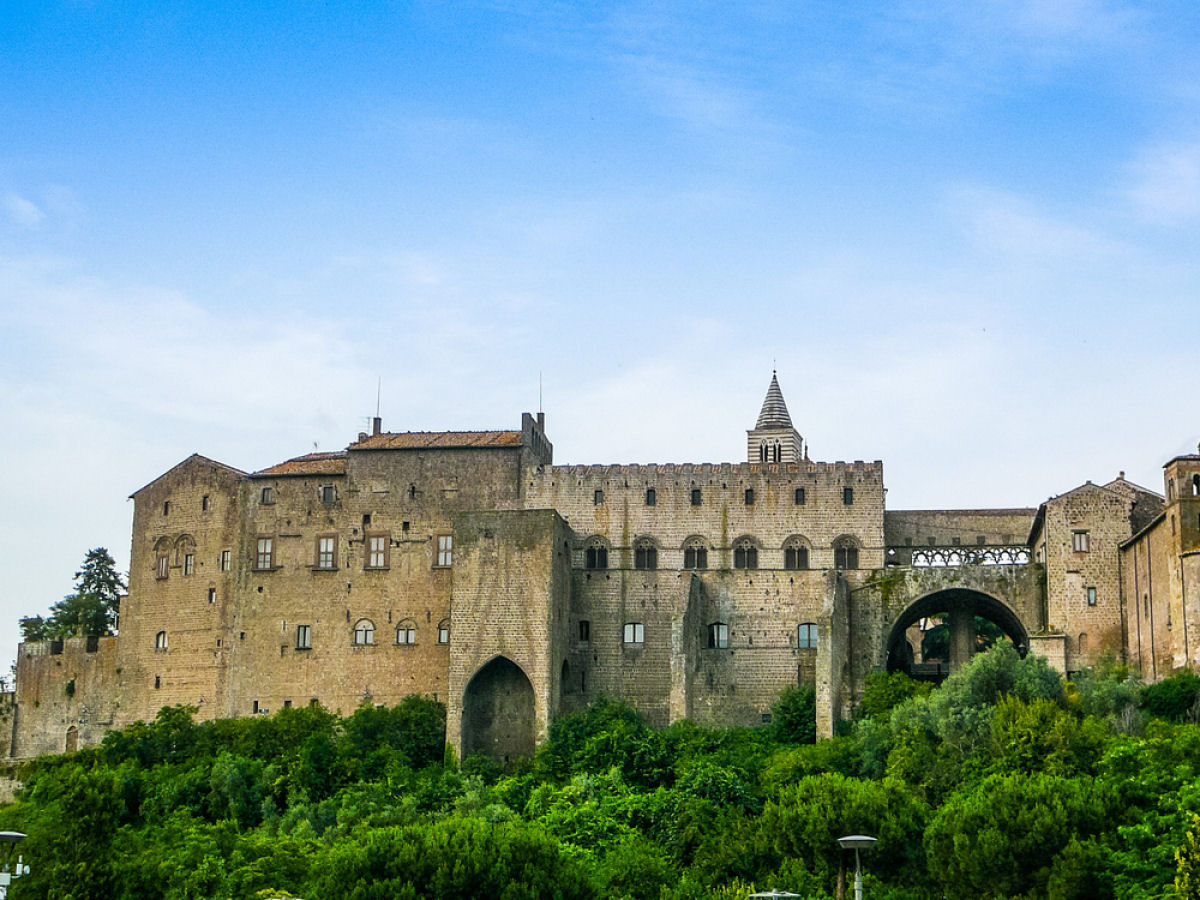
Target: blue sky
[(964, 232)]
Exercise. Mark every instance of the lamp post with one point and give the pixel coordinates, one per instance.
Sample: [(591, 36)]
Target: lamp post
[(8, 871), (773, 893), (857, 842)]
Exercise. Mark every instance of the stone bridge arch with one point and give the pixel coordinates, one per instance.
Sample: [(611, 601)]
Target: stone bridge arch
[(960, 606)]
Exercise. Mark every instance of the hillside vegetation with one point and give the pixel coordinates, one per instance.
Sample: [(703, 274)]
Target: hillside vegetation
[(1004, 782)]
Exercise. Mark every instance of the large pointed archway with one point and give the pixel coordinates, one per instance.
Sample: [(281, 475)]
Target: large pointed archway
[(498, 717), (960, 609)]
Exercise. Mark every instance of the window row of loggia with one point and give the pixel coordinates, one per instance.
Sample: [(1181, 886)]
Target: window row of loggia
[(745, 554), (633, 634)]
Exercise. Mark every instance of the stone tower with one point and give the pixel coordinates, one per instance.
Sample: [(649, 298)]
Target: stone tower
[(773, 439)]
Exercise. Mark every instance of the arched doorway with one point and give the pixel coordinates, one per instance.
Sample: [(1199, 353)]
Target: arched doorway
[(965, 621), (497, 712), (72, 742)]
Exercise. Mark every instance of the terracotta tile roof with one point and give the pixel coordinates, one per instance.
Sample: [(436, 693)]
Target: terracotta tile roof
[(416, 440), (309, 464)]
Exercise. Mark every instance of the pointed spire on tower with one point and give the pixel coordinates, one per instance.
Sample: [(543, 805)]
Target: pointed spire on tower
[(774, 412)]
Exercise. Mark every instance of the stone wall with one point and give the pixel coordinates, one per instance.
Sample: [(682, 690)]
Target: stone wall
[(66, 695)]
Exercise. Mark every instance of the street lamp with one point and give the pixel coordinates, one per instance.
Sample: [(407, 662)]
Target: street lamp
[(773, 893), (857, 842), (8, 871)]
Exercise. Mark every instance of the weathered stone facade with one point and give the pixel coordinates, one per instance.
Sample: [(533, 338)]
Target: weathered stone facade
[(466, 566)]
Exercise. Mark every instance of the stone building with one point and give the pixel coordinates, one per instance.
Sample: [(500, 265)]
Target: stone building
[(467, 566)]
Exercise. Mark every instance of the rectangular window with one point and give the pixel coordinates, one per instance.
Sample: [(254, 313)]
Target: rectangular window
[(377, 551), (264, 557), (160, 641), (799, 497), (268, 495), (634, 633), (445, 550), (212, 595), (1091, 596), (848, 496), (806, 636), (1080, 542), (189, 564), (749, 496), (225, 561), (651, 497), (303, 637), (166, 507), (585, 631), (162, 565), (696, 496), (718, 636), (204, 503), (598, 497), (327, 552), (406, 633), (328, 493), (443, 632)]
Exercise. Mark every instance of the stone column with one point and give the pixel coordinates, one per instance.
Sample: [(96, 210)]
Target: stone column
[(962, 637)]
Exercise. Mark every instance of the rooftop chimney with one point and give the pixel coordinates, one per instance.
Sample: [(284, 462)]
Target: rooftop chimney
[(376, 425), (541, 421)]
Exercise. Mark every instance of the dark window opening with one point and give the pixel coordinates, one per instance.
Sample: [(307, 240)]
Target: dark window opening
[(651, 497), (268, 496), (596, 557), (204, 503), (695, 557), (845, 557), (799, 497), (585, 631), (696, 496), (745, 556), (848, 496), (718, 636), (212, 595), (749, 496), (598, 497), (328, 493), (795, 557), (645, 556), (166, 507), (157, 682)]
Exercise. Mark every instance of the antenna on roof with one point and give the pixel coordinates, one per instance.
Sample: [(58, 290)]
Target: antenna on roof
[(539, 390), (378, 395)]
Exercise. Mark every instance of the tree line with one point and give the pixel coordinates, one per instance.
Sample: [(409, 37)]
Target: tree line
[(1006, 781)]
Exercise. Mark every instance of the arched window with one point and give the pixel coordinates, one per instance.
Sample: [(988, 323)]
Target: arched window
[(845, 553), (596, 554), (795, 554), (444, 631), (695, 553), (762, 451), (406, 632), (364, 633), (564, 680), (718, 636), (778, 452), (645, 554), (1083, 643), (806, 636), (162, 558), (745, 554), (160, 641)]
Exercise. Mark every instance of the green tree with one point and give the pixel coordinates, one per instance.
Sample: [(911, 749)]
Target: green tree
[(90, 611), (795, 716)]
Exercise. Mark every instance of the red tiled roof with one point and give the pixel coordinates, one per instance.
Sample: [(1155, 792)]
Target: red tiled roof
[(416, 440), (309, 464)]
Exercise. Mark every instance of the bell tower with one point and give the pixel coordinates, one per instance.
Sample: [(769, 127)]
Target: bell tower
[(773, 439)]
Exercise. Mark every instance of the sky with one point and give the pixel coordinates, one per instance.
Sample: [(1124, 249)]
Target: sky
[(964, 233)]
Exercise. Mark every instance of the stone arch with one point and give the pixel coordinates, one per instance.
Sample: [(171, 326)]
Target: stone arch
[(954, 602), (72, 739), (498, 715), (695, 552), (797, 552), (846, 548), (595, 552), (745, 552), (184, 544)]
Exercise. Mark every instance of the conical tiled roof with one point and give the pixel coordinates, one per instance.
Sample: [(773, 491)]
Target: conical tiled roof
[(774, 412)]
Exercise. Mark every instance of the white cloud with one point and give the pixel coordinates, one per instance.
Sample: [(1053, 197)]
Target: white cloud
[(1166, 182), (1009, 224), (22, 212)]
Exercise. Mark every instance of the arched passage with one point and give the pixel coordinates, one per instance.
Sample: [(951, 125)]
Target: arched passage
[(960, 607), (497, 712)]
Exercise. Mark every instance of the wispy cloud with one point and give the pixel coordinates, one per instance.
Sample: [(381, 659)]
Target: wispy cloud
[(1007, 223), (1166, 182), (22, 211)]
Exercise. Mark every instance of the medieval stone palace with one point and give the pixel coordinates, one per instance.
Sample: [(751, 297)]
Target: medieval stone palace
[(466, 566)]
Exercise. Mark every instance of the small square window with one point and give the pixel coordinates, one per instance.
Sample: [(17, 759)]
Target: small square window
[(718, 636), (287, 704), (445, 550), (634, 633), (328, 493), (585, 631), (303, 637), (848, 496), (799, 497), (1080, 542), (696, 496), (268, 495)]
